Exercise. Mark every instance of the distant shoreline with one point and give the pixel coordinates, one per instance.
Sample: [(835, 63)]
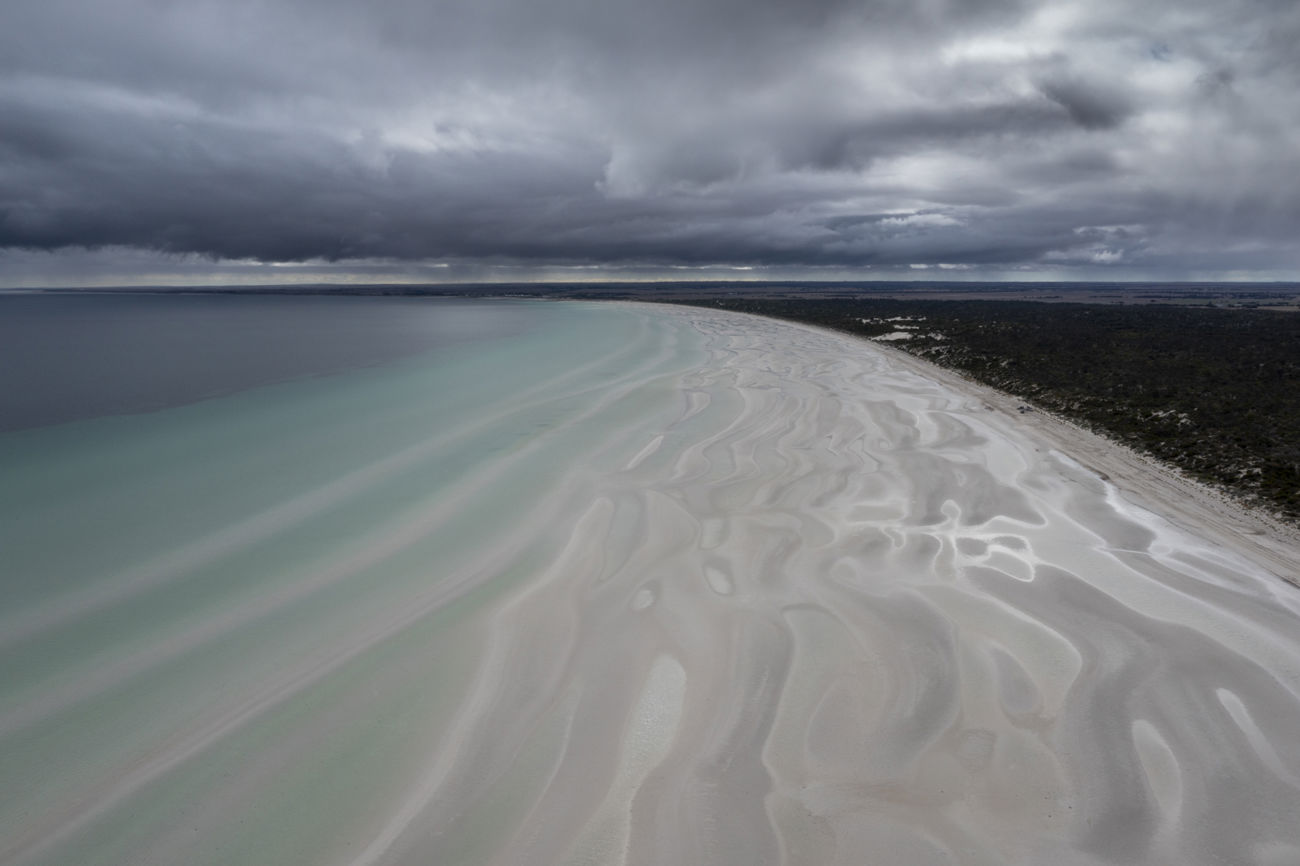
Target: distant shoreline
[(1254, 295)]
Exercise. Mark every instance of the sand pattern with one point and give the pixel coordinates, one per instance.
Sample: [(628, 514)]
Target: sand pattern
[(774, 596)]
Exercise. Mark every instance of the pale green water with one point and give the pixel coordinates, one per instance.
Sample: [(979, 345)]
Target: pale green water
[(228, 626)]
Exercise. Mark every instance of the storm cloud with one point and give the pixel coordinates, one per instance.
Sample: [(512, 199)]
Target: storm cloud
[(751, 133)]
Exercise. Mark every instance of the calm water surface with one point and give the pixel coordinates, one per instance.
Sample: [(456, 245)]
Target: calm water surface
[(69, 357), (249, 545)]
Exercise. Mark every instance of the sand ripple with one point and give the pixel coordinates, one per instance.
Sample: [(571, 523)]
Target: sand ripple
[(814, 608)]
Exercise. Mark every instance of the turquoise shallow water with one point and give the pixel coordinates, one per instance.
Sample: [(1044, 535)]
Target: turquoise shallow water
[(212, 611)]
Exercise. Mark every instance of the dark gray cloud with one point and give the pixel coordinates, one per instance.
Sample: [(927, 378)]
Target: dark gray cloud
[(1089, 106), (622, 135)]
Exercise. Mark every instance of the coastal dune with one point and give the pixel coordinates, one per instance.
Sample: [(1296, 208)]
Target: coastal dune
[(761, 594)]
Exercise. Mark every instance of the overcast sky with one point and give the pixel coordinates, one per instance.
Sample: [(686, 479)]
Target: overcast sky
[(258, 139)]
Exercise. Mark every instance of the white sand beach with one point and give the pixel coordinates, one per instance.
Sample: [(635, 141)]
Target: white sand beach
[(825, 604)]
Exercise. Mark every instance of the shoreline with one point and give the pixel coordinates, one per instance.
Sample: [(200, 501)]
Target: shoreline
[(1163, 488)]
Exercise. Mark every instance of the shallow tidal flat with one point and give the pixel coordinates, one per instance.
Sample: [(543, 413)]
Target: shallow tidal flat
[(643, 585)]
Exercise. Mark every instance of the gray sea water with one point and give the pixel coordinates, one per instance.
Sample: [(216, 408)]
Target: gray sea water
[(73, 356)]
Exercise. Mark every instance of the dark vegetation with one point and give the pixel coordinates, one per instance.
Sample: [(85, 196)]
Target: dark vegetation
[(1215, 392)]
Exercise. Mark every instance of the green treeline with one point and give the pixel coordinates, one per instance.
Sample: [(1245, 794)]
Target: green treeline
[(1215, 392)]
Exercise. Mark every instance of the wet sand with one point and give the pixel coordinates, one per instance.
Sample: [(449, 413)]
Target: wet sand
[(831, 605)]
